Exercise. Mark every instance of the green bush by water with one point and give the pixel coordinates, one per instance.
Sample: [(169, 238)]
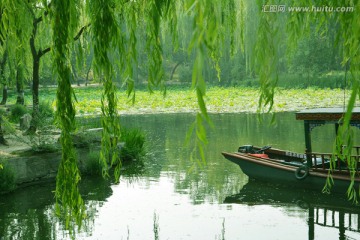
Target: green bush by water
[(46, 109), (133, 149), (93, 166), (7, 178), (46, 113), (16, 112)]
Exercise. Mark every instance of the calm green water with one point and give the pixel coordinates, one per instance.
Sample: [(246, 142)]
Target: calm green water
[(167, 201)]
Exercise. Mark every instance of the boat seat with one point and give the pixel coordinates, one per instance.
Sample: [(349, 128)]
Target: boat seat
[(260, 155)]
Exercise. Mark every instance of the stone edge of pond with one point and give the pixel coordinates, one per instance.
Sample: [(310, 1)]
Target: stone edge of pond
[(31, 167)]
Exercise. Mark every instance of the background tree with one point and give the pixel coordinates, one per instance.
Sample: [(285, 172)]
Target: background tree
[(37, 17), (3, 59), (3, 80)]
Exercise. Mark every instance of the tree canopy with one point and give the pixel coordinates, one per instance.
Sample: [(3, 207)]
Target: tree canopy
[(263, 31)]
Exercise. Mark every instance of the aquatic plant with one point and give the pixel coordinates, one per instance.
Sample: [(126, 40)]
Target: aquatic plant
[(92, 164), (7, 178), (133, 148), (156, 228)]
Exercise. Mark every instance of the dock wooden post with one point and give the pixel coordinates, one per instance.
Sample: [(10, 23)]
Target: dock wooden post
[(308, 149)]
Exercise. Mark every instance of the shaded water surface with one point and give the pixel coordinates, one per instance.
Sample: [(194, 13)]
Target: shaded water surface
[(217, 201)]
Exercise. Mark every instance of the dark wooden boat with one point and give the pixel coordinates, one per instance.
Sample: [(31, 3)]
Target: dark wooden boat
[(309, 170)]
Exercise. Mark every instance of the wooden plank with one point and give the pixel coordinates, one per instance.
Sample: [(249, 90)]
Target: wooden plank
[(326, 114)]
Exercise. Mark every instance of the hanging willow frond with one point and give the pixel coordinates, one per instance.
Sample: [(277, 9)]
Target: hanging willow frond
[(128, 50), (266, 60), (106, 36), (205, 43), (153, 44), (69, 203)]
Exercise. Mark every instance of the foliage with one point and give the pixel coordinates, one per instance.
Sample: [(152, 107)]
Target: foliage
[(43, 144), (6, 126), (292, 96), (7, 178), (133, 148), (16, 112), (105, 28), (93, 165), (46, 114), (70, 205), (46, 109)]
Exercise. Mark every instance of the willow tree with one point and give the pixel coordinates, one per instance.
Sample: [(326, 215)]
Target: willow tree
[(114, 26)]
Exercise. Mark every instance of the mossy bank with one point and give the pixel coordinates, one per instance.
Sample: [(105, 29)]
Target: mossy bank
[(25, 165)]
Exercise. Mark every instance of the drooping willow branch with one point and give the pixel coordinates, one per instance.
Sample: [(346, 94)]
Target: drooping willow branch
[(104, 27), (69, 203)]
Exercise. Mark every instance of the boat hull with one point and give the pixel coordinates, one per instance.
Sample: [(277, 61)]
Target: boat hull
[(274, 171)]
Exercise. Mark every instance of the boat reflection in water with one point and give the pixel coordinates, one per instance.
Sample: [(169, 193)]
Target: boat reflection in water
[(324, 211)]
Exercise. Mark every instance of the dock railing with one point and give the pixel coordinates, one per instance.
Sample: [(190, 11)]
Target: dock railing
[(323, 161), (337, 219)]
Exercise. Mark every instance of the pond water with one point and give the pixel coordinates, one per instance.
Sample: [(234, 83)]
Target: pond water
[(168, 201)]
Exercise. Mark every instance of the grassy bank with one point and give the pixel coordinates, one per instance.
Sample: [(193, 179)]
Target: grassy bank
[(181, 99)]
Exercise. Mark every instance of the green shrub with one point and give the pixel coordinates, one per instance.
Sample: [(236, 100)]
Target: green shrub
[(44, 144), (134, 140), (7, 179), (16, 112), (46, 110), (46, 113), (92, 164)]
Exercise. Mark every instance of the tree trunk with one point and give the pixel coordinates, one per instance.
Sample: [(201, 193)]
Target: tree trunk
[(2, 79), (35, 94), (173, 71), (2, 139), (4, 95), (35, 82), (20, 86)]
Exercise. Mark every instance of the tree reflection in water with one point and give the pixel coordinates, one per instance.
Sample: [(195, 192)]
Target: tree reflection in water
[(30, 211)]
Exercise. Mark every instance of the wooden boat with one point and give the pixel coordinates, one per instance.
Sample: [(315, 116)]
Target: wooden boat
[(309, 170)]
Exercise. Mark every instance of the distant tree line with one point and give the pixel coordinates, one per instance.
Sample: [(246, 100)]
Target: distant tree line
[(315, 62)]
